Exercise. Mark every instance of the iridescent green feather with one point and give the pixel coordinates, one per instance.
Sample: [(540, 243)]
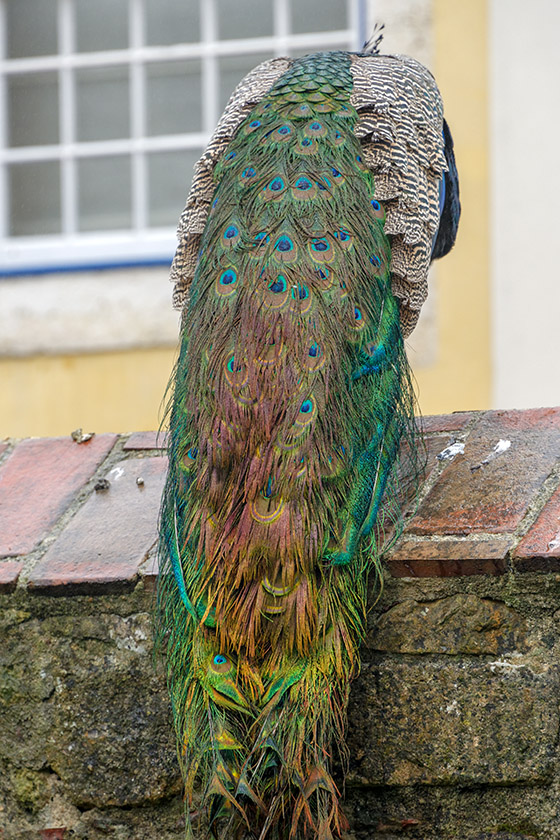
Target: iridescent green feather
[(291, 401)]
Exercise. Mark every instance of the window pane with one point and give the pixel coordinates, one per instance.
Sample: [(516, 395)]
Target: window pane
[(101, 24), (169, 180), (172, 21), (244, 18), (102, 103), (31, 28), (174, 97), (232, 70), (34, 190), (33, 109), (104, 190), (319, 15)]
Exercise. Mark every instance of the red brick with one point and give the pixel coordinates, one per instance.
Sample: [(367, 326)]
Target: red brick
[(448, 558), (469, 498), (102, 548), (9, 573), (539, 550), (37, 483), (445, 422), (433, 446), (146, 440)]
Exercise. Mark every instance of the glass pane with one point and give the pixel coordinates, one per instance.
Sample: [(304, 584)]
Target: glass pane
[(172, 21), (104, 193), (34, 190), (174, 97), (31, 28), (102, 103), (33, 109), (101, 24), (319, 15), (169, 180), (232, 70), (244, 18)]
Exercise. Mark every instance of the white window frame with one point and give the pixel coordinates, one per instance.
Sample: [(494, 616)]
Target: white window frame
[(141, 244)]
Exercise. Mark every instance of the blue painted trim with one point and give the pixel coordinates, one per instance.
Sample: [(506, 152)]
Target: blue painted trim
[(72, 268)]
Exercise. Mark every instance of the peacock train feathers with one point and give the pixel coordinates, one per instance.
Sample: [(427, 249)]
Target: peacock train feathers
[(302, 263)]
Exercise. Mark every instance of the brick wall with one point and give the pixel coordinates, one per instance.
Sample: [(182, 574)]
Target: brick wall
[(454, 721)]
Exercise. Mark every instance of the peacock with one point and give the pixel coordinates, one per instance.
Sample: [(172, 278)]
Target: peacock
[(325, 191)]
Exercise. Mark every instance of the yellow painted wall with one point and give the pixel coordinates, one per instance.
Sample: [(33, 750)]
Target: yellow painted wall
[(461, 376), (122, 391), (99, 392)]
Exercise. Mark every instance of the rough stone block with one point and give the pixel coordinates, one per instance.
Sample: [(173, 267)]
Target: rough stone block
[(490, 812), (37, 483), (482, 491), (102, 548), (453, 723), (457, 624), (87, 706)]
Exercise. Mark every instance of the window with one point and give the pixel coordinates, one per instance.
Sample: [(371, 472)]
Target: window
[(107, 104)]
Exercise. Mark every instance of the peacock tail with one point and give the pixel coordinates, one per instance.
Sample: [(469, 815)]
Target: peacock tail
[(291, 409)]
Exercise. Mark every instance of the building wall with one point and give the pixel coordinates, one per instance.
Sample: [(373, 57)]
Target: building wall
[(525, 184), (105, 365)]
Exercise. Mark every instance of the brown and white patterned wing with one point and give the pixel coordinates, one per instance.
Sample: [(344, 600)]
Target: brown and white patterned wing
[(400, 127), (249, 91)]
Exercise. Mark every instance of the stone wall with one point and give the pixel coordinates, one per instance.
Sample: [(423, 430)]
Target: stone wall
[(454, 721)]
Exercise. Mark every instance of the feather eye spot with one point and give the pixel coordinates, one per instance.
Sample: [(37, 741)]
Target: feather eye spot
[(374, 260), (320, 245), (193, 452), (306, 407), (231, 156), (303, 184), (255, 124), (220, 664), (249, 172), (315, 126), (232, 367), (228, 277), (284, 244), (300, 291), (284, 130), (231, 232), (276, 184), (335, 172), (314, 350), (376, 205), (262, 239), (342, 235), (357, 314), (279, 285), (306, 142)]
